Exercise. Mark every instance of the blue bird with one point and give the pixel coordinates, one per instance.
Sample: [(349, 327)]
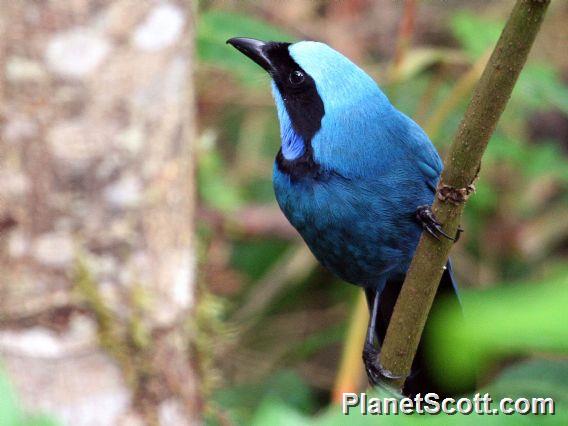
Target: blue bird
[(354, 176)]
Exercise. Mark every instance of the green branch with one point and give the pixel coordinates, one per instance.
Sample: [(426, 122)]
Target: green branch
[(461, 168)]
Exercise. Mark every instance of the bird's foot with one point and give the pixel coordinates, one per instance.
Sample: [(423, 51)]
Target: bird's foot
[(458, 233), (376, 373), (430, 224)]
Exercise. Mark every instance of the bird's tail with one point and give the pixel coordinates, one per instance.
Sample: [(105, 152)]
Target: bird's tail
[(423, 378)]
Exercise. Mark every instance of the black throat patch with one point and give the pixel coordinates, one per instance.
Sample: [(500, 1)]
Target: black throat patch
[(303, 105)]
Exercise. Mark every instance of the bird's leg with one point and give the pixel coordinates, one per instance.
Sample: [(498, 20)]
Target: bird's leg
[(375, 371), (430, 224)]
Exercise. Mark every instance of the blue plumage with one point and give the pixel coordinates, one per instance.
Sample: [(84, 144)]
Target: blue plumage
[(354, 176), (358, 216), (293, 145)]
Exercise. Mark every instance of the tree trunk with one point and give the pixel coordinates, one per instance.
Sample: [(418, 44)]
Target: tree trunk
[(97, 253)]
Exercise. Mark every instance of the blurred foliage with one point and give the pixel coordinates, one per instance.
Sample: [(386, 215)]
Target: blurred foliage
[(538, 377), (539, 84), (11, 414), (214, 187), (284, 388), (502, 321), (523, 318), (516, 232), (216, 27)]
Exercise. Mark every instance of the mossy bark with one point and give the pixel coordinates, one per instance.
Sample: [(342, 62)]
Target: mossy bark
[(98, 132), (462, 165)]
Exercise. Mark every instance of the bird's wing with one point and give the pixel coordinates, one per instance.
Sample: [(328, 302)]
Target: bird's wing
[(421, 150)]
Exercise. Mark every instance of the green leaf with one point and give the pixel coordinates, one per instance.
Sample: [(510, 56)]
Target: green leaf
[(10, 414), (214, 186), (283, 389), (38, 420), (274, 412), (484, 202), (255, 257), (533, 378), (475, 34), (540, 87), (531, 160), (503, 321), (10, 411), (215, 27), (546, 159)]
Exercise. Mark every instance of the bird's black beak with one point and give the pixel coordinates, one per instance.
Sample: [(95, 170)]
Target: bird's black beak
[(254, 49)]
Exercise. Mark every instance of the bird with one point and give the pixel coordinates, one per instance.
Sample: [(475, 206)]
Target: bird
[(355, 177)]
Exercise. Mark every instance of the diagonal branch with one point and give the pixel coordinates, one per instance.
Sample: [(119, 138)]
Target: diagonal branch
[(461, 168)]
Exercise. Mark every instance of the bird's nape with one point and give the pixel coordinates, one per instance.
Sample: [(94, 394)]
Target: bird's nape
[(345, 154)]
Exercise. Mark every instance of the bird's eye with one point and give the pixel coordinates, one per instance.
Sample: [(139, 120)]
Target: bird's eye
[(296, 78)]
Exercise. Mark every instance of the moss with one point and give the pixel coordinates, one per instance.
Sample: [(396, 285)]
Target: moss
[(126, 340), (109, 328)]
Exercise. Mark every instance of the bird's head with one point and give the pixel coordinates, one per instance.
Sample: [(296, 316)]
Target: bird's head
[(320, 95)]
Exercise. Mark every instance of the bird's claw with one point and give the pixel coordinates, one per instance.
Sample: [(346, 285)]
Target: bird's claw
[(430, 224), (458, 233), (376, 373)]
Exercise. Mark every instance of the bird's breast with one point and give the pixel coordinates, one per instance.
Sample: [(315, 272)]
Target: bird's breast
[(349, 230)]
